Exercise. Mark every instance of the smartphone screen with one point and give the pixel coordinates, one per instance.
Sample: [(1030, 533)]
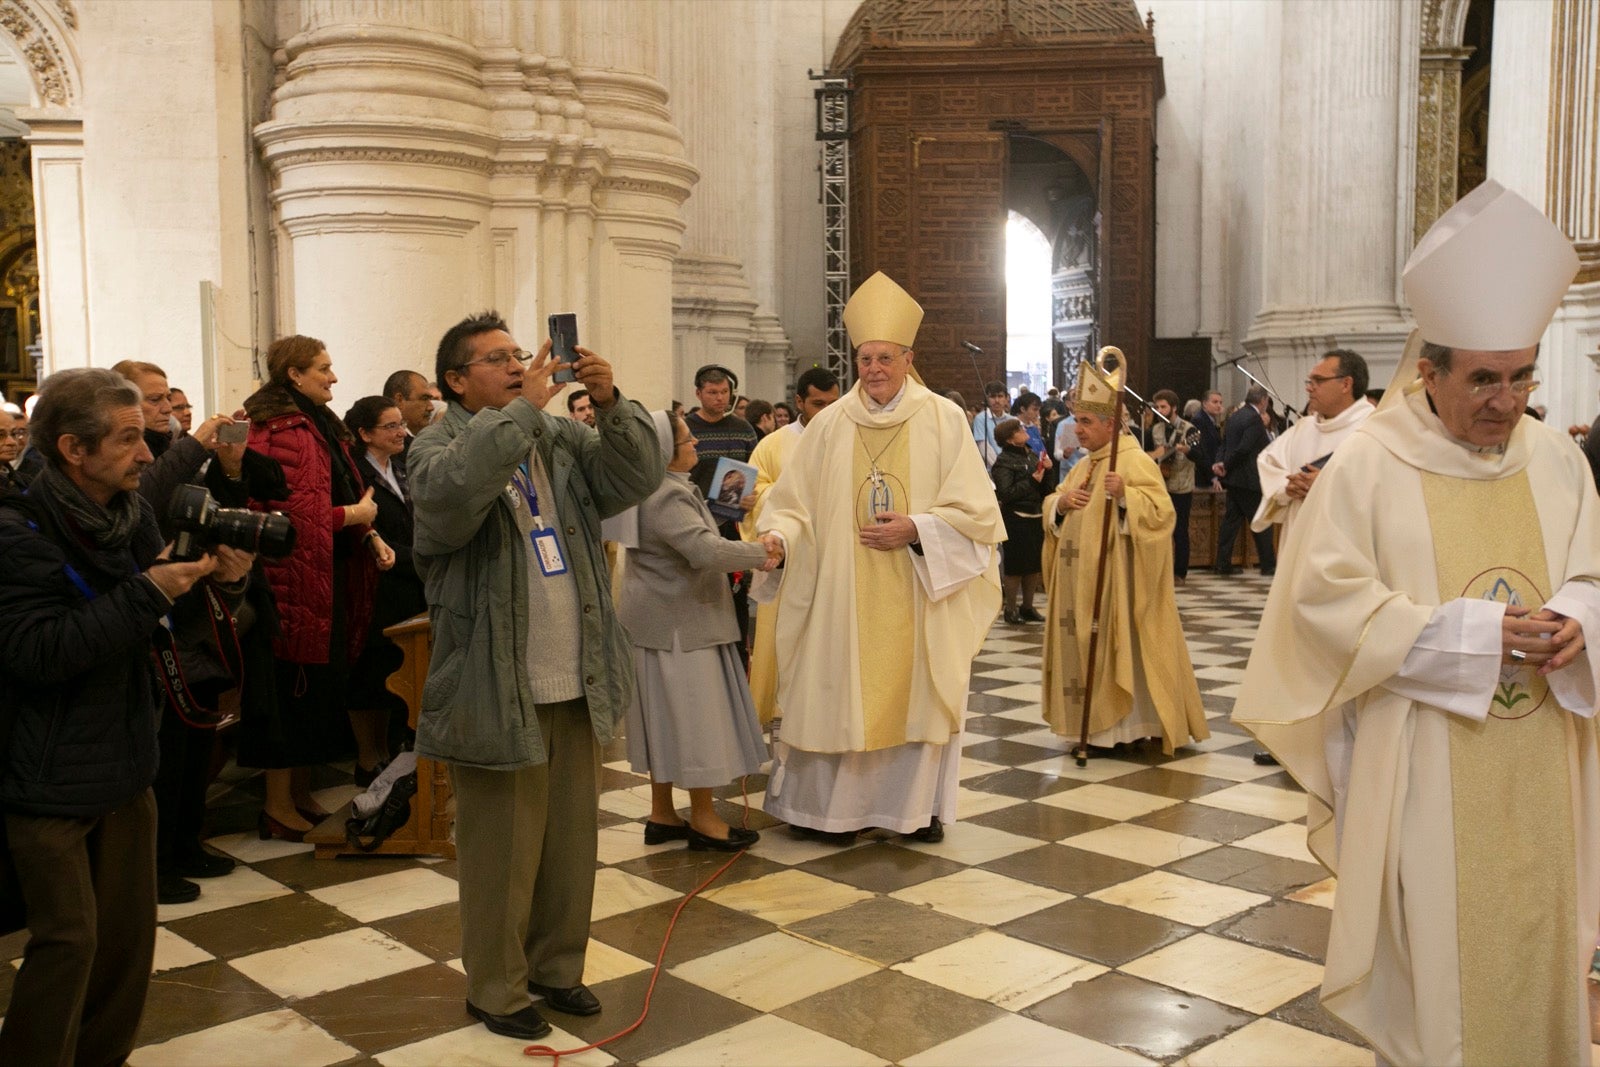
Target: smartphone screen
[(563, 345)]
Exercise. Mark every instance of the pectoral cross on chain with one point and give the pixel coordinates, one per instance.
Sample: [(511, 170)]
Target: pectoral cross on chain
[(882, 496)]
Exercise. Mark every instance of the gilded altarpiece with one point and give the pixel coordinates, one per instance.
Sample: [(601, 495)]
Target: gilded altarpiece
[(19, 271)]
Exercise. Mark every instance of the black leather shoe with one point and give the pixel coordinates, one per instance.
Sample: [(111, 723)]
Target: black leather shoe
[(527, 1023), (931, 834), (203, 864), (827, 837), (1011, 617), (1225, 572), (576, 1000), (1030, 615), (657, 833), (1264, 759), (170, 889), (737, 840)]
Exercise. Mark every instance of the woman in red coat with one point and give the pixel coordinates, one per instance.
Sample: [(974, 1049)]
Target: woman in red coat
[(323, 588)]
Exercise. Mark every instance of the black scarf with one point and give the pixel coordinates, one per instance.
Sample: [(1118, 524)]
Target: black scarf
[(345, 478), (111, 528)]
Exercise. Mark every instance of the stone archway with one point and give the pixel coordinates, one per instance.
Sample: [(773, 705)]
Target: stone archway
[(43, 35)]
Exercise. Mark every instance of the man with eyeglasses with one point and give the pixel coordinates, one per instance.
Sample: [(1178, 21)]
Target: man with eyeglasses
[(1336, 406), (1422, 670), (531, 672)]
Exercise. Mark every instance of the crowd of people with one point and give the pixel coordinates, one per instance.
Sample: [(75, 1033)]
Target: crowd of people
[(594, 574)]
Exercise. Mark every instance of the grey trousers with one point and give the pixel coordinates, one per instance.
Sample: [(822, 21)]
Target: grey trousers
[(525, 852), (90, 890)]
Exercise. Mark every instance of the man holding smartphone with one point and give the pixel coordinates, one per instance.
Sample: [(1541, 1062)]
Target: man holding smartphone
[(531, 671)]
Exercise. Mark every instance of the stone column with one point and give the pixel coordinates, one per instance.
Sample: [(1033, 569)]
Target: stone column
[(1333, 232)]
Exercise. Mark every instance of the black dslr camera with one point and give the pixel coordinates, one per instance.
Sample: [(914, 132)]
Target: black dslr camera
[(202, 525)]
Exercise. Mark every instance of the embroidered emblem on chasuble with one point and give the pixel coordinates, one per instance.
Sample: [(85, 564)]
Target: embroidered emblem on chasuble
[(885, 622), (1511, 792)]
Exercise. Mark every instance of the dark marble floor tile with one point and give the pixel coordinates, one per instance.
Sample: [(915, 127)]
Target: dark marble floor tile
[(680, 869), (1007, 753), (611, 778), (1208, 824), (886, 930), (1043, 821), (388, 1012), (611, 818), (1174, 784), (1255, 871), (753, 784), (1071, 870), (194, 998), (880, 867), (703, 928), (680, 1013), (1092, 930), (1280, 780), (1306, 1011), (434, 932), (1286, 925), (736, 813), (234, 932), (1026, 785), (983, 685), (305, 872), (922, 1014), (1149, 1019), (983, 717)]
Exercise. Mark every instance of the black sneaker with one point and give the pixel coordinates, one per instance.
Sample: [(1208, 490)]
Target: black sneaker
[(203, 864), (171, 889)]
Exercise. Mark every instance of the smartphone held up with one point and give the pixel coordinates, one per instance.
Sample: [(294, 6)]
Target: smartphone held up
[(564, 346)]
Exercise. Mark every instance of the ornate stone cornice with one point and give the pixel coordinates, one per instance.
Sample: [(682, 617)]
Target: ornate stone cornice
[(377, 222), (44, 45), (430, 157)]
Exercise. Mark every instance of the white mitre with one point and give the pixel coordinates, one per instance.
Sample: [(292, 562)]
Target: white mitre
[(1489, 274), (879, 310)]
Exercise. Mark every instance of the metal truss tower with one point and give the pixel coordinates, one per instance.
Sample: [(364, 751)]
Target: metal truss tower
[(833, 133)]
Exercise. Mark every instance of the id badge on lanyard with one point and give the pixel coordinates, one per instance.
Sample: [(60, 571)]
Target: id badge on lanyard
[(546, 549)]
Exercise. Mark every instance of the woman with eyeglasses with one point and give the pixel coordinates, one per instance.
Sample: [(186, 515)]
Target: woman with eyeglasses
[(10, 448), (324, 588), (378, 426)]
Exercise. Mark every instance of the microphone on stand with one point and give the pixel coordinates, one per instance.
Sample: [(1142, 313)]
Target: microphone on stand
[(972, 352), (970, 347)]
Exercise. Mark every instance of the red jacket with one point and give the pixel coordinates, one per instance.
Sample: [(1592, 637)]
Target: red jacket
[(302, 583)]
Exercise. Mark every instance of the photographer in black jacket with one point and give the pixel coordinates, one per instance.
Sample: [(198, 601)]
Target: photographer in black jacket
[(84, 590)]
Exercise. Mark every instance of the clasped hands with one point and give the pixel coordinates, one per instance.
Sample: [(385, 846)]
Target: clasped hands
[(774, 546), (1545, 640)]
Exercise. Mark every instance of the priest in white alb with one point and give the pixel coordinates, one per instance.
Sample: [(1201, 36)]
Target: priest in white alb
[(890, 583), (1336, 405), (1422, 670), (814, 390)]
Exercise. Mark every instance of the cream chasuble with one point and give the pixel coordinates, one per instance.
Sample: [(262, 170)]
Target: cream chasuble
[(1467, 845), (1142, 648), (867, 659), (770, 456), (1306, 441)]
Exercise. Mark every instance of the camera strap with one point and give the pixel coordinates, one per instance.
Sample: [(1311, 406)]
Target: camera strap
[(165, 654)]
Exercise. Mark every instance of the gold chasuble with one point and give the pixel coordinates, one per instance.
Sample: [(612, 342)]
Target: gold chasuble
[(867, 660), (1139, 626), (1467, 852)]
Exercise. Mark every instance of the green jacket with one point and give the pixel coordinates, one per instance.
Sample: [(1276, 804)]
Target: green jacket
[(477, 705)]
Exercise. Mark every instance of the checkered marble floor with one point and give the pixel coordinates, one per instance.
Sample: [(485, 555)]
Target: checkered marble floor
[(1143, 909)]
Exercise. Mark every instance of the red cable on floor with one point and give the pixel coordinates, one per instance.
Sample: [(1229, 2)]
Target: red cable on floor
[(554, 1055)]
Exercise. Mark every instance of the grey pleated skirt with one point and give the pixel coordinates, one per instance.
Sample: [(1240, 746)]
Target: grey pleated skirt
[(692, 721)]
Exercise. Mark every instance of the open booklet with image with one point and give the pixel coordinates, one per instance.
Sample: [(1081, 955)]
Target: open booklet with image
[(731, 481)]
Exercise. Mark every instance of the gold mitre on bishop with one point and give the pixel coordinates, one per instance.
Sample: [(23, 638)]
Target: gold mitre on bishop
[(1489, 274), (1097, 389), (879, 310)]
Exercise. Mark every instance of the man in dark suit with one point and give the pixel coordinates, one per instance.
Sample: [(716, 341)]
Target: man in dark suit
[(1244, 435)]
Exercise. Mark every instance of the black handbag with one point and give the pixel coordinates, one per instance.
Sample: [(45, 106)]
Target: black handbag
[(368, 833)]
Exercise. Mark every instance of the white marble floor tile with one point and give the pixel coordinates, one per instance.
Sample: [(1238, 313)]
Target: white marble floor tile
[(981, 896), (244, 885), (781, 846), (272, 1039), (1212, 659), (970, 802), (1002, 970), (1230, 690), (1234, 768), (625, 841), (1230, 972), (249, 848), (601, 963), (1269, 1043), (369, 899), (787, 897), (1025, 711), (767, 1039), (969, 843), (475, 1046), (1220, 674), (617, 891), (1141, 844), (1013, 659), (1017, 1041), (344, 959), (1184, 900), (1317, 893), (1008, 644), (1108, 801), (1029, 692), (1269, 802), (1014, 674), (1288, 841), (1044, 737), (1097, 770), (631, 803), (1217, 742), (773, 970), (971, 768), (173, 952)]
